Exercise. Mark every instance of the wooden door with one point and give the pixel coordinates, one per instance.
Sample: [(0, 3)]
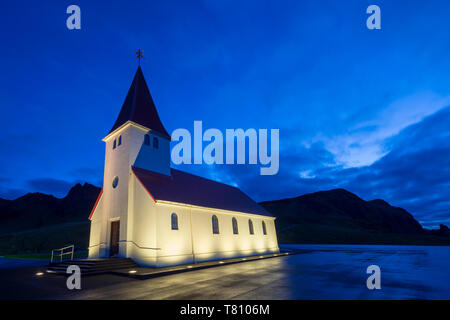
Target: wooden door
[(114, 243)]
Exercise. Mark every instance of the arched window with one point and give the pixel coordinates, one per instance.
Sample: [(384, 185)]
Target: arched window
[(215, 225), (115, 182), (120, 140), (264, 228), (147, 139), (250, 226), (235, 226), (174, 219), (114, 144), (155, 142)]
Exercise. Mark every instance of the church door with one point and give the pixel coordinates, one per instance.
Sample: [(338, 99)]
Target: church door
[(114, 243)]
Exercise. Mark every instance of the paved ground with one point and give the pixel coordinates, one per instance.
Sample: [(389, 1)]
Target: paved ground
[(239, 281), (12, 263), (323, 272)]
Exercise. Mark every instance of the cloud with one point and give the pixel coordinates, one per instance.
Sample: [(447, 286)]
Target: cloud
[(363, 142), (88, 174), (58, 188), (11, 193), (287, 183), (414, 174)]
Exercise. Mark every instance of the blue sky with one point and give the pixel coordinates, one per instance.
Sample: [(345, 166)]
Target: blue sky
[(359, 109)]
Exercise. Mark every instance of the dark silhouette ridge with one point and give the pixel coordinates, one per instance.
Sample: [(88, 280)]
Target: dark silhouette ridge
[(339, 216), (37, 222), (35, 210)]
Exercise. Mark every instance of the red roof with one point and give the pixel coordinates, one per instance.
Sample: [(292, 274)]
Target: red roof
[(96, 203), (182, 187), (139, 107)]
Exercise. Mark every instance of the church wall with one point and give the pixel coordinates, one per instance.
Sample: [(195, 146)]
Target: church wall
[(116, 199), (118, 163), (176, 245), (95, 244), (152, 228), (141, 243), (209, 246)]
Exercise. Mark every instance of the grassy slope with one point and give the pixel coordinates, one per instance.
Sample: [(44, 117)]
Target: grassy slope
[(326, 234), (46, 239), (38, 223)]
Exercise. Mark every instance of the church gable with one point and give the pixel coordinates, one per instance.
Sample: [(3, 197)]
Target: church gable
[(97, 205)]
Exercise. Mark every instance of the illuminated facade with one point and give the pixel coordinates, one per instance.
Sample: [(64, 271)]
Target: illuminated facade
[(159, 216)]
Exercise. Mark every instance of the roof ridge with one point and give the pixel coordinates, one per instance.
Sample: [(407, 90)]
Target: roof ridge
[(188, 188), (133, 101)]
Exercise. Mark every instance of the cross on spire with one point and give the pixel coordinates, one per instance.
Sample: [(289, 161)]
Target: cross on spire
[(140, 55)]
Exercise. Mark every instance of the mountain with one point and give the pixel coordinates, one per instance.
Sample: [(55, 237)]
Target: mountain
[(38, 222), (442, 231), (339, 216), (35, 210)]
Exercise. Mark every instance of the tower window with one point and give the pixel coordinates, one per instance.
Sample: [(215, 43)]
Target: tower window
[(120, 140), (155, 142), (115, 181), (147, 140), (250, 226), (264, 228), (215, 225), (235, 226), (114, 144), (174, 219)]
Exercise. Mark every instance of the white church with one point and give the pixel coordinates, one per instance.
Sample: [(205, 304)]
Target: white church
[(159, 216)]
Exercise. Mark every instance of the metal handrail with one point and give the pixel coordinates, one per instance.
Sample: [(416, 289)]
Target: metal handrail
[(62, 253)]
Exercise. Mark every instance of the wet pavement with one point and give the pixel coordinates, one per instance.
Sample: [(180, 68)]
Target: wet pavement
[(321, 272), (11, 263)]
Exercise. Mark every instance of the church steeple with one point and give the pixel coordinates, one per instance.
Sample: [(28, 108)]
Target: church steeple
[(139, 107)]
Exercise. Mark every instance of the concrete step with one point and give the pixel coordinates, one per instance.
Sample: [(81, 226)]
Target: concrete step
[(82, 264), (91, 266)]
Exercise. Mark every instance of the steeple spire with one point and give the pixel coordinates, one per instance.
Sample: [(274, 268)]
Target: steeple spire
[(139, 107)]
